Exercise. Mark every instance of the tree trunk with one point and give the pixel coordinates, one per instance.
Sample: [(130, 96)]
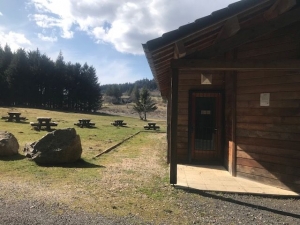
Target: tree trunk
[(140, 115)]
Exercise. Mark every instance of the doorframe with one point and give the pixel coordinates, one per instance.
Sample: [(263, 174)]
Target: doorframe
[(222, 122)]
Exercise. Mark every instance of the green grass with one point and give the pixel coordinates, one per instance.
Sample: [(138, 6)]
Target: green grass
[(132, 179), (93, 140)]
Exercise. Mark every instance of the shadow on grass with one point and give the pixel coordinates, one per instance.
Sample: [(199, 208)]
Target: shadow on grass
[(79, 164), (43, 129), (52, 129), (12, 157), (90, 127), (120, 127), (244, 203), (20, 122)]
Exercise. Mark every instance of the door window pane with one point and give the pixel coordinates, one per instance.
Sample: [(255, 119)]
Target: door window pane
[(205, 123)]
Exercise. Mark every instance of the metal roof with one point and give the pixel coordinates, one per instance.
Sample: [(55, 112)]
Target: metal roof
[(197, 36)]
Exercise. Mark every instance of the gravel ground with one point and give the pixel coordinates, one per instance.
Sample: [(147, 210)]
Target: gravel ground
[(223, 208), (203, 208), (26, 212)]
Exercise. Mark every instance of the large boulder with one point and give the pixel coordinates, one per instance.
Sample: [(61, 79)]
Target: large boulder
[(8, 144), (59, 146)]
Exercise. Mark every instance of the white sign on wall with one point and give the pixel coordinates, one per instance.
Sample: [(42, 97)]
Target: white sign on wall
[(265, 99)]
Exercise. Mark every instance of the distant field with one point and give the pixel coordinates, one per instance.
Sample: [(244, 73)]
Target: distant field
[(127, 109)]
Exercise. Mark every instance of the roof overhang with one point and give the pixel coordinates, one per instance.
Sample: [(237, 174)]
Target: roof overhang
[(238, 65), (204, 37)]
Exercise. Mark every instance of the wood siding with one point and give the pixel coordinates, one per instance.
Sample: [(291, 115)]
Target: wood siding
[(268, 137), (190, 80), (229, 146)]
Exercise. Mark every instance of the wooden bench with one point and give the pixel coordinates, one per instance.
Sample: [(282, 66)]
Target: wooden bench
[(10, 118), (42, 124), (82, 125), (151, 126), (118, 123), (39, 125)]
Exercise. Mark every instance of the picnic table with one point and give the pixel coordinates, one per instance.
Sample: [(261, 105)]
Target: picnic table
[(84, 123), (151, 126), (43, 122), (118, 123), (13, 116)]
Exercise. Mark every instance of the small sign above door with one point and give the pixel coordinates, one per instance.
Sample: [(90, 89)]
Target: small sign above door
[(205, 112), (206, 79)]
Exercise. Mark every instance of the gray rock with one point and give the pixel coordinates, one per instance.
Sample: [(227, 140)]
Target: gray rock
[(59, 146), (8, 144)]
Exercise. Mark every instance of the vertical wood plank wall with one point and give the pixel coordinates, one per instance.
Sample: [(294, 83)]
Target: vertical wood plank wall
[(268, 137), (229, 146), (190, 80), (169, 107)]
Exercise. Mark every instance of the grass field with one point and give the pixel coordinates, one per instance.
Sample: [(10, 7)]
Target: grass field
[(129, 180), (93, 140)]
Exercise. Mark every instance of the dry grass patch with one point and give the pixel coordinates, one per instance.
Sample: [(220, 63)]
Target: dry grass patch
[(130, 180), (127, 110)]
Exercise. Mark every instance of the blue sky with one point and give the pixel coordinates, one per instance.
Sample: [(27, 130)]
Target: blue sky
[(106, 34)]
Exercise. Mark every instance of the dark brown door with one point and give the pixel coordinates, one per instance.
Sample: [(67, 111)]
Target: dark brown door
[(206, 127)]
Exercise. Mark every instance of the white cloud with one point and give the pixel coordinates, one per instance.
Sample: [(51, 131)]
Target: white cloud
[(124, 24), (46, 38), (45, 21), (14, 40), (1, 14), (54, 14)]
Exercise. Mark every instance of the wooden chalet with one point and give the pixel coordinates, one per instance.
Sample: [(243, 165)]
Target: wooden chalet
[(232, 81)]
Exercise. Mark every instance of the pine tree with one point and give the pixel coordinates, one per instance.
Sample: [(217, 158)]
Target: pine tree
[(145, 104)]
